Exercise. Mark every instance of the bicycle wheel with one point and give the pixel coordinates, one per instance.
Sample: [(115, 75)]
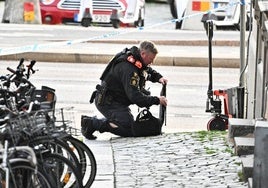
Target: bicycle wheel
[(23, 175), (55, 145), (85, 157), (61, 171)]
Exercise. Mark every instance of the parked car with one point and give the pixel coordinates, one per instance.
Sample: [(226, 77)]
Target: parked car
[(226, 14), (177, 10), (58, 11), (114, 12)]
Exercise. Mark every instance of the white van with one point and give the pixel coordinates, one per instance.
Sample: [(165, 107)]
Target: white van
[(126, 13), (226, 13)]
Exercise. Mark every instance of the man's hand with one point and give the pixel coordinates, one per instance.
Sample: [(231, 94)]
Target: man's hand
[(163, 80), (163, 100)]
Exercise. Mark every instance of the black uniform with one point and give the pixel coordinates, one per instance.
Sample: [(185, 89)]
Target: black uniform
[(123, 83)]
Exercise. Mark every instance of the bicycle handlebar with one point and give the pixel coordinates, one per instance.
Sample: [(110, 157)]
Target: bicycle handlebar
[(20, 69), (30, 69), (20, 63), (11, 70), (16, 74)]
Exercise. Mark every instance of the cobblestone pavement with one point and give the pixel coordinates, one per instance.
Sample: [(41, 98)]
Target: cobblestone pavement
[(194, 160)]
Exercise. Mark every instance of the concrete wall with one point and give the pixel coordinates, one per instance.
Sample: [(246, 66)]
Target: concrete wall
[(257, 64), (14, 12), (260, 169)]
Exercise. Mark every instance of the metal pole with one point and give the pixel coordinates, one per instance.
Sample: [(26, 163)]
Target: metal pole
[(209, 30), (210, 36), (242, 41)]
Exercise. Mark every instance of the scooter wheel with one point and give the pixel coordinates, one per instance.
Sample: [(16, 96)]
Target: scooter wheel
[(216, 124)]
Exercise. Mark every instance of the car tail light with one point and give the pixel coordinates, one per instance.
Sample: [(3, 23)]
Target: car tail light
[(47, 2)]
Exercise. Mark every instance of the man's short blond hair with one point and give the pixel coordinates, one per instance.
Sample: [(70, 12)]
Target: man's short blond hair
[(148, 46)]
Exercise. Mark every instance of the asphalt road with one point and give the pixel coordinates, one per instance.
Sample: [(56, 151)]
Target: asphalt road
[(158, 27), (186, 90), (21, 34), (74, 82)]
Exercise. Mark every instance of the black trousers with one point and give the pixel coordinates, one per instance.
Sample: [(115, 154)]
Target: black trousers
[(118, 114)]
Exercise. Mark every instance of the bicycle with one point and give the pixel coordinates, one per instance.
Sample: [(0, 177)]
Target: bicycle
[(84, 154), (19, 168), (33, 121)]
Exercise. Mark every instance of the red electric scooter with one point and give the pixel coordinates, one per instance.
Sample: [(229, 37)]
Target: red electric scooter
[(219, 121)]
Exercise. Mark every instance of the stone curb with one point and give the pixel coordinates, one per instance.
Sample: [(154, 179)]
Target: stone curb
[(104, 58), (70, 55), (199, 42)]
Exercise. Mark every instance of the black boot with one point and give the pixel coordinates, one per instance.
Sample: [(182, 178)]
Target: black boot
[(87, 127)]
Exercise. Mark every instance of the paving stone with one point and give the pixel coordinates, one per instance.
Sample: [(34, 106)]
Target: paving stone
[(176, 160)]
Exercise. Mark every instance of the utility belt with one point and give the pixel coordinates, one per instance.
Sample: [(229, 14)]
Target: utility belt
[(100, 95)]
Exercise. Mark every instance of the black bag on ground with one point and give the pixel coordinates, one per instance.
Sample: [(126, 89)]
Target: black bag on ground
[(146, 124)]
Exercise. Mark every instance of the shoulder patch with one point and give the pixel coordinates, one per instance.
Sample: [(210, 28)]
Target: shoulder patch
[(134, 81), (131, 59), (138, 64), (135, 62)]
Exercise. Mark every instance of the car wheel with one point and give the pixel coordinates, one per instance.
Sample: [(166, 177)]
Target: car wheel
[(140, 21), (179, 23), (116, 23), (86, 22), (173, 9)]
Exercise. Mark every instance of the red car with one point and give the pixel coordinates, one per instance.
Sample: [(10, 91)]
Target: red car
[(114, 12), (58, 11)]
